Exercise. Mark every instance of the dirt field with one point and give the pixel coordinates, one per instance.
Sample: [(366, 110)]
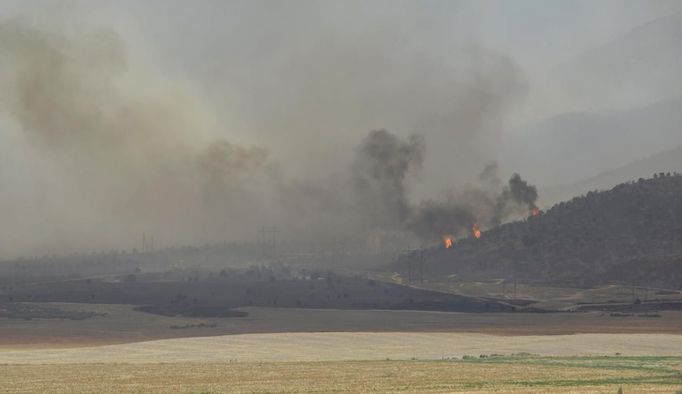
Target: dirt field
[(502, 375), (121, 324)]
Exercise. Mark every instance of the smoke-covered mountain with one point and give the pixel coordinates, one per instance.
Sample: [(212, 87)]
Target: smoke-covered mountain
[(576, 146), (614, 104), (632, 232), (666, 161), (637, 68)]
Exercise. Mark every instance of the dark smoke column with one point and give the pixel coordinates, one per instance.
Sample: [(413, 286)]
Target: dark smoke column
[(382, 163), (518, 197)]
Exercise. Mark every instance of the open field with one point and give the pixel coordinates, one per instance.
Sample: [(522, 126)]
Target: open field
[(355, 362), (499, 374), (121, 324), (334, 346), (120, 350)]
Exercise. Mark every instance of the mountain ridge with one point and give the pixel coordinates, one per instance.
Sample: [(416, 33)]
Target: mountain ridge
[(631, 233)]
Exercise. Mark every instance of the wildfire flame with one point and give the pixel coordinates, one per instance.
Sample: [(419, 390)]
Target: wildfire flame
[(448, 241), (475, 231), (535, 212)]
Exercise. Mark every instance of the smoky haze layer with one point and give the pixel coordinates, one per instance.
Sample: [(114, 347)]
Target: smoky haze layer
[(110, 150), (100, 148)]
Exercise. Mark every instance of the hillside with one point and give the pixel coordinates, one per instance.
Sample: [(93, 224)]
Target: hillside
[(631, 233)]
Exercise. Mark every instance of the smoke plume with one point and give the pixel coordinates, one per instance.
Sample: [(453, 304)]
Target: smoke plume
[(113, 151), (380, 176), (517, 198), (381, 166), (98, 146), (484, 203)]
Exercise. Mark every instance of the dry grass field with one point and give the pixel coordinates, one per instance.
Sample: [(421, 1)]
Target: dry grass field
[(348, 346), (497, 374), (291, 350)]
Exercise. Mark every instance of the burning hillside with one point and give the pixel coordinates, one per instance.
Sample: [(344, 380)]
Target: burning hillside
[(448, 241), (475, 231), (632, 233)]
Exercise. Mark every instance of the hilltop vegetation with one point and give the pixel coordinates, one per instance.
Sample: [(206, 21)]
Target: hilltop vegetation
[(631, 233)]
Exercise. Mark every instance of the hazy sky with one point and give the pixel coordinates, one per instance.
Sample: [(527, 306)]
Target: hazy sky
[(230, 97), (209, 38)]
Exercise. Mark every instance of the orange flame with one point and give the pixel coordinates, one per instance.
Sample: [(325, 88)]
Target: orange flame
[(448, 241), (535, 212), (475, 231)]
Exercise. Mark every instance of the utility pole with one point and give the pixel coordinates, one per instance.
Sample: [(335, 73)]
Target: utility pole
[(408, 261), (634, 292), (409, 272), (514, 274)]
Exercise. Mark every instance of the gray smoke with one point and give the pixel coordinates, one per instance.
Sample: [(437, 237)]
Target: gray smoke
[(484, 204), (112, 150), (434, 219), (98, 146), (381, 166), (520, 191), (224, 165), (489, 178), (517, 198), (381, 178)]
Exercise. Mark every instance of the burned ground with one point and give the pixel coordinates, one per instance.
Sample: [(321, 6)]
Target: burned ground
[(201, 293)]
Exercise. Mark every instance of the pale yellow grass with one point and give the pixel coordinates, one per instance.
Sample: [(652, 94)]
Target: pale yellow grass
[(330, 346), (348, 376)]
